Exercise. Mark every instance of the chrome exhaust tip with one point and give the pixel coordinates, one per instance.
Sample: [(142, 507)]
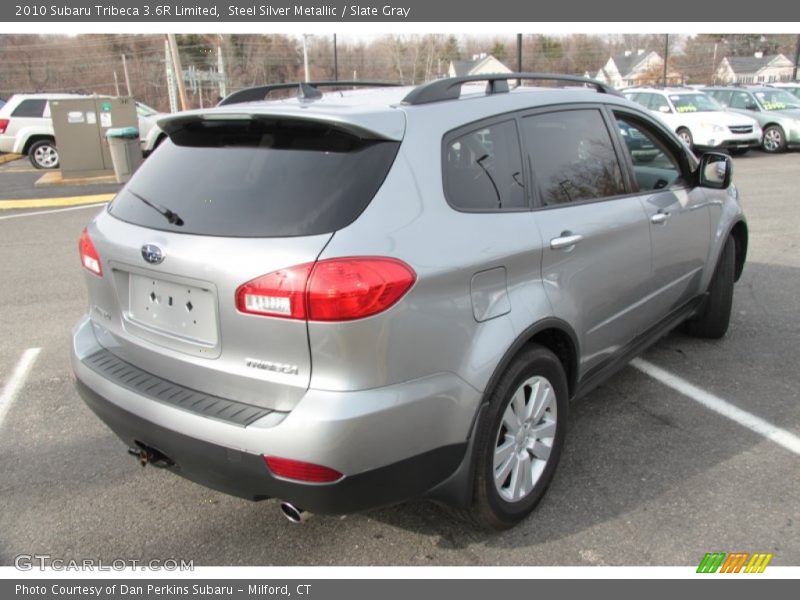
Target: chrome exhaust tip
[(293, 513)]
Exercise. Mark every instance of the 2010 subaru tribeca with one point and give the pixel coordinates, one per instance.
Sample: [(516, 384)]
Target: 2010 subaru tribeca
[(347, 300)]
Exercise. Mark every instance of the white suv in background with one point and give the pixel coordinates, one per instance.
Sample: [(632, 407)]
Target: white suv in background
[(698, 119), (26, 127)]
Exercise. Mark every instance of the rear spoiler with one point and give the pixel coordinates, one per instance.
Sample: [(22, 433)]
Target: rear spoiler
[(388, 125)]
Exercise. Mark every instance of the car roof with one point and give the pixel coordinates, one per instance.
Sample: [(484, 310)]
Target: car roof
[(384, 112), (739, 88), (660, 90), (47, 95)]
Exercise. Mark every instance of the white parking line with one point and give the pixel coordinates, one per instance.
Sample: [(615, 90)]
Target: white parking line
[(755, 424), (56, 210), (17, 380)]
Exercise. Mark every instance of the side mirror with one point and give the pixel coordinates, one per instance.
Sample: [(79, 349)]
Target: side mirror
[(716, 170), (664, 109), (751, 106)]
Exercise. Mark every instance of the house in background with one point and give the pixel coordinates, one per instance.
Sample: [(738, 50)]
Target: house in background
[(481, 64), (641, 67), (754, 69)]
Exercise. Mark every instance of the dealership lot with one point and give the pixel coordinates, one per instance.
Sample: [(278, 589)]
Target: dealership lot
[(649, 476)]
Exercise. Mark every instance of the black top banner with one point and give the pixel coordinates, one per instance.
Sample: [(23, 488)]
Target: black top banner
[(454, 11)]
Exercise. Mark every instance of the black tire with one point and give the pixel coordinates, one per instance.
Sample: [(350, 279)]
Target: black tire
[(686, 136), (774, 140), (489, 509), (44, 155), (715, 315)]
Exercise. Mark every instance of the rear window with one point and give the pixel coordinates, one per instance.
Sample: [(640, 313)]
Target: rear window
[(30, 108), (256, 178)]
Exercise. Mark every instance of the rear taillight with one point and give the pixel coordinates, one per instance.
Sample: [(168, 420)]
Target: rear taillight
[(339, 289), (277, 294), (301, 471), (90, 259), (3, 125)]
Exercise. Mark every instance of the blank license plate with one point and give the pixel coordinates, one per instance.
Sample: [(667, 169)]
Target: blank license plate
[(175, 309)]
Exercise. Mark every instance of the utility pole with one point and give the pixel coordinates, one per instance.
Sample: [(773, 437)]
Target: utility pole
[(116, 83), (127, 79), (176, 65), (714, 65), (172, 89), (305, 59), (335, 60), (223, 84), (796, 58), (666, 57)]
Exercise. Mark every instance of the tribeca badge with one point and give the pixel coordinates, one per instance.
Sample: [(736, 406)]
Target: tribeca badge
[(735, 562)]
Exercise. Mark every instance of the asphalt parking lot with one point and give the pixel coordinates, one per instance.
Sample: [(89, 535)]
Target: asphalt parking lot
[(649, 476)]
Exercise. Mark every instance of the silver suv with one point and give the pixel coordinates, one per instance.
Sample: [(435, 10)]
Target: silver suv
[(348, 300)]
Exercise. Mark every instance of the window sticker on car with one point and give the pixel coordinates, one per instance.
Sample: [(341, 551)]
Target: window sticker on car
[(686, 109), (773, 105)]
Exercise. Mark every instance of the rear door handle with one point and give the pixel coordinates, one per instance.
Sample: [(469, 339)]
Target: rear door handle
[(565, 241), (659, 218)]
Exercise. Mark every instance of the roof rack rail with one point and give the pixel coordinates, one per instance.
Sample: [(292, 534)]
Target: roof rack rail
[(450, 89), (305, 90)]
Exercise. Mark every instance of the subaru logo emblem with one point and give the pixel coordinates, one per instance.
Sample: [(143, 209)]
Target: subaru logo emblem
[(152, 254)]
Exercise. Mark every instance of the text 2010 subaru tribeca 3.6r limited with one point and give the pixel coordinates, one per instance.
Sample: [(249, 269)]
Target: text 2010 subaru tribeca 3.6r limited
[(343, 301)]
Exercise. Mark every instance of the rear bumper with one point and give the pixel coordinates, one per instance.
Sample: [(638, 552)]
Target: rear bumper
[(387, 452), (7, 143), (245, 474)]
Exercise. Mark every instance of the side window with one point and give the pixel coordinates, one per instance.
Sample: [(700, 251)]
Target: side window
[(571, 156), (743, 100), (483, 169), (30, 108), (634, 97), (658, 103), (654, 164), (722, 97), (643, 99)]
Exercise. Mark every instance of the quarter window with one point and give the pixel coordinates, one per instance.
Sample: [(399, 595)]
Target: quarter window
[(572, 157), (483, 169)]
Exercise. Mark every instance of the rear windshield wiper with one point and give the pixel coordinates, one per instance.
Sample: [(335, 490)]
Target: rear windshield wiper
[(170, 216)]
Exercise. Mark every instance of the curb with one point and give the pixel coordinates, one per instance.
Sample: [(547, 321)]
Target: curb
[(55, 178), (4, 158), (51, 202)]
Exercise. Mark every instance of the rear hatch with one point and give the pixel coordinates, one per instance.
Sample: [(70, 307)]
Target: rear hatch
[(223, 202)]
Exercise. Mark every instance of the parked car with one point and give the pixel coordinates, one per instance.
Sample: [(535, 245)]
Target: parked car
[(777, 111), (26, 127), (348, 300), (698, 120)]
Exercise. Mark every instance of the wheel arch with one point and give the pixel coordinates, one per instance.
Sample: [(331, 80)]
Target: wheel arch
[(739, 234), (36, 138), (552, 333)]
